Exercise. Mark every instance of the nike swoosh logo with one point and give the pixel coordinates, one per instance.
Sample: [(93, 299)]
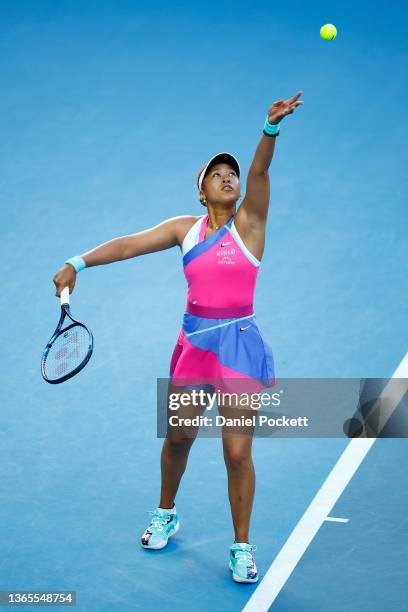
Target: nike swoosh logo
[(223, 244), (244, 328)]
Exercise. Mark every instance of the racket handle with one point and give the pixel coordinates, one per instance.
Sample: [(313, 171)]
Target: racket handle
[(65, 296)]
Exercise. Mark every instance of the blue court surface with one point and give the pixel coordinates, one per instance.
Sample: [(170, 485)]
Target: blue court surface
[(107, 111)]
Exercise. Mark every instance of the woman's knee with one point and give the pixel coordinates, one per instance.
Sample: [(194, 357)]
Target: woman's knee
[(179, 445), (237, 458)]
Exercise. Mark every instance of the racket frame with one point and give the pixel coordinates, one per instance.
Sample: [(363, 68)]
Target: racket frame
[(65, 312)]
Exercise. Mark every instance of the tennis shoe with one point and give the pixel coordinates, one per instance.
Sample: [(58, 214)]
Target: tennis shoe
[(242, 563), (163, 525)]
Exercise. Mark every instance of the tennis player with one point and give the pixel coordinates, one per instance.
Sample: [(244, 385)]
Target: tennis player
[(220, 339)]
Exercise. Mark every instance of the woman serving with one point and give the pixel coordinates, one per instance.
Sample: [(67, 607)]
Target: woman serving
[(219, 340)]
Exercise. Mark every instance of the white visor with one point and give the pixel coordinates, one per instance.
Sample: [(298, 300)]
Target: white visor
[(223, 157)]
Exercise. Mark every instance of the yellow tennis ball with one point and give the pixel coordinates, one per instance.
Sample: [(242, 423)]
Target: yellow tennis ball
[(328, 31)]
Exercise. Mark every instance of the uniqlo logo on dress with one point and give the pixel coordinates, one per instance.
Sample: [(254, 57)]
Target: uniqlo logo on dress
[(225, 256)]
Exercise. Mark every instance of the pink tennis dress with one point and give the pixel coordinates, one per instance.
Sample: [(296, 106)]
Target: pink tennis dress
[(220, 343)]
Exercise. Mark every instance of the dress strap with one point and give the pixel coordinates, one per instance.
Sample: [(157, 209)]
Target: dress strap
[(203, 228)]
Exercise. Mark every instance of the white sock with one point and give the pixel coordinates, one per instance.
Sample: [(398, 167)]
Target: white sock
[(170, 510)]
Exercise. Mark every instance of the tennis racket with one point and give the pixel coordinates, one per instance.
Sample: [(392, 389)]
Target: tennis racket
[(69, 349)]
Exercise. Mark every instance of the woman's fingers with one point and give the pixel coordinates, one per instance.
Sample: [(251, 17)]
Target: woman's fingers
[(295, 97), (291, 107), (65, 276), (57, 286), (290, 101)]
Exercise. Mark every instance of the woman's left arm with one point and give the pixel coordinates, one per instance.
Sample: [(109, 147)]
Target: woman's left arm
[(256, 201)]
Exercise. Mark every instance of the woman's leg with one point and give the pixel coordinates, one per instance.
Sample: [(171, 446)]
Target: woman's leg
[(237, 446), (241, 481), (174, 457), (176, 448)]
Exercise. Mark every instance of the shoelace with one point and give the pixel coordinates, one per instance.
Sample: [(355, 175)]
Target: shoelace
[(158, 520), (245, 555)]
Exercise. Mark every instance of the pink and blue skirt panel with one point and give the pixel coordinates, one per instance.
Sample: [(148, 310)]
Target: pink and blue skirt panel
[(228, 354)]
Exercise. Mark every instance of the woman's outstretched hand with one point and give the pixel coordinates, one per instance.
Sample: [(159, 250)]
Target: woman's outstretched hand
[(281, 108)]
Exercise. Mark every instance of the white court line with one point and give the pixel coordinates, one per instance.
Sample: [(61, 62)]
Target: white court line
[(333, 519), (317, 512)]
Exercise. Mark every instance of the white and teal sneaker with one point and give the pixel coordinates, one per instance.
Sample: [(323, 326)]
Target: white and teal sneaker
[(163, 525), (242, 562)]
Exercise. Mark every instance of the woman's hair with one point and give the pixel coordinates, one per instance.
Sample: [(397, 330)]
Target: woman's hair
[(197, 177)]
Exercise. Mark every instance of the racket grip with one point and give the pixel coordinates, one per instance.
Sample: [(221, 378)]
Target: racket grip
[(65, 296)]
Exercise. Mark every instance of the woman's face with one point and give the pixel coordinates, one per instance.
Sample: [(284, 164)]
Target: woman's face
[(221, 184)]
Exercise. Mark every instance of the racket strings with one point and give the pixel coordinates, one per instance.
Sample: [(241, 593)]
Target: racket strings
[(67, 352)]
